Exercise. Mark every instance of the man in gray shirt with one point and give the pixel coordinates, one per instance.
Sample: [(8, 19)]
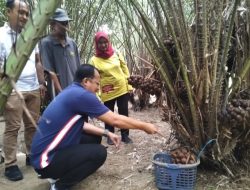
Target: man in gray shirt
[(59, 53)]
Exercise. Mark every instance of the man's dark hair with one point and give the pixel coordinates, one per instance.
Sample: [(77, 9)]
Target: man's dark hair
[(84, 71), (10, 4)]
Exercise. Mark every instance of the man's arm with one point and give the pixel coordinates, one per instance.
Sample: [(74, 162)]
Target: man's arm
[(124, 122), (91, 129), (55, 81), (47, 62), (40, 74), (125, 70), (39, 69)]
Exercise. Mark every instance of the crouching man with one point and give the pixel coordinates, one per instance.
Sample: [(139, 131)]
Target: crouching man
[(67, 149)]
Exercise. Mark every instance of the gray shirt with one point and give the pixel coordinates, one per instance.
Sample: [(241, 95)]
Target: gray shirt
[(61, 60)]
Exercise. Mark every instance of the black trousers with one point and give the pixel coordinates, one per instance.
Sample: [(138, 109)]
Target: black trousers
[(122, 104), (73, 164)]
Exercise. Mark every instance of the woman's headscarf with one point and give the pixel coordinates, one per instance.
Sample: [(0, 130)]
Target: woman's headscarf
[(103, 54)]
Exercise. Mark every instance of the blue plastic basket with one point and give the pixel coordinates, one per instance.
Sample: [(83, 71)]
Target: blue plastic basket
[(174, 176)]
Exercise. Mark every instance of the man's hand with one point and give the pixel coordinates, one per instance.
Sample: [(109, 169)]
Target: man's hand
[(150, 128), (43, 90), (55, 81), (115, 139)]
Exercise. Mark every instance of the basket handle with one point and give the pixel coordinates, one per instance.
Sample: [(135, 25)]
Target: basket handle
[(172, 166), (176, 166), (202, 150)]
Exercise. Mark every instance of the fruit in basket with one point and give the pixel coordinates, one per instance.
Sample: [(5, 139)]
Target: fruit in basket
[(182, 156), (183, 160)]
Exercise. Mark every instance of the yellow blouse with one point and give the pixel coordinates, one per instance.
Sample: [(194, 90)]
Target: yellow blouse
[(114, 74)]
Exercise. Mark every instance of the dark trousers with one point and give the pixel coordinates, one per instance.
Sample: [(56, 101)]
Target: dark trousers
[(122, 104), (73, 164)]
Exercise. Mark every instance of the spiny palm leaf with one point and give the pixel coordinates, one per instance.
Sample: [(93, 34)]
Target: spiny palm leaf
[(192, 106), (216, 33), (160, 66), (205, 51)]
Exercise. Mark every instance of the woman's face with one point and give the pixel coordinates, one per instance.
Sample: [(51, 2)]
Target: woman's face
[(102, 44)]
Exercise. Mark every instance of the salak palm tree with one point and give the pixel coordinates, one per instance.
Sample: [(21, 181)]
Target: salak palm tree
[(205, 66)]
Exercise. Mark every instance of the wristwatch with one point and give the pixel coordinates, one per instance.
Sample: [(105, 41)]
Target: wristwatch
[(105, 133)]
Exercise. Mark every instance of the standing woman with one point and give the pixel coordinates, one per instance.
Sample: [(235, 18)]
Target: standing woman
[(114, 84)]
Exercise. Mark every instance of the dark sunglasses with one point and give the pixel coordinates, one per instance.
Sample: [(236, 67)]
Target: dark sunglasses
[(66, 23)]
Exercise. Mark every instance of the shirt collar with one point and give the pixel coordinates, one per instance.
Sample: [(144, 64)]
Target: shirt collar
[(9, 29), (77, 84), (56, 42)]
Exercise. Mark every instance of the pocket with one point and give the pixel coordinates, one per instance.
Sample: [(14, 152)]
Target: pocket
[(13, 102)]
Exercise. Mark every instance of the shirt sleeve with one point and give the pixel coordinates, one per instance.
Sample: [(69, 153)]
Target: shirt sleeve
[(90, 105), (124, 66), (91, 62), (2, 54), (46, 56), (78, 61), (36, 49), (125, 70)]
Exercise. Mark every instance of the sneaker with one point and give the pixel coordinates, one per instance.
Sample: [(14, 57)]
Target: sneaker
[(109, 141), (53, 187), (51, 181), (1, 159), (127, 140), (13, 173), (27, 160)]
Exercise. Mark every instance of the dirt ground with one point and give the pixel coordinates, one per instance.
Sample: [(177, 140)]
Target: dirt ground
[(127, 168)]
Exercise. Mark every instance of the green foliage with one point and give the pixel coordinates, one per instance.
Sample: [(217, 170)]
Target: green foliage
[(2, 12)]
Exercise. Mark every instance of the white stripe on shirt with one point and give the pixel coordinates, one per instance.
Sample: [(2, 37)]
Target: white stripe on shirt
[(57, 140)]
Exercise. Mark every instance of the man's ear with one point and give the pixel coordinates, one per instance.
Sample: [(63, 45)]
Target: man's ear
[(8, 10), (84, 81)]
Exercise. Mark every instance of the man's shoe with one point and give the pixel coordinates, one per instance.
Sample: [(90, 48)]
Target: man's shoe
[(109, 141), (53, 187), (51, 180), (1, 159), (127, 140), (13, 173), (27, 160)]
